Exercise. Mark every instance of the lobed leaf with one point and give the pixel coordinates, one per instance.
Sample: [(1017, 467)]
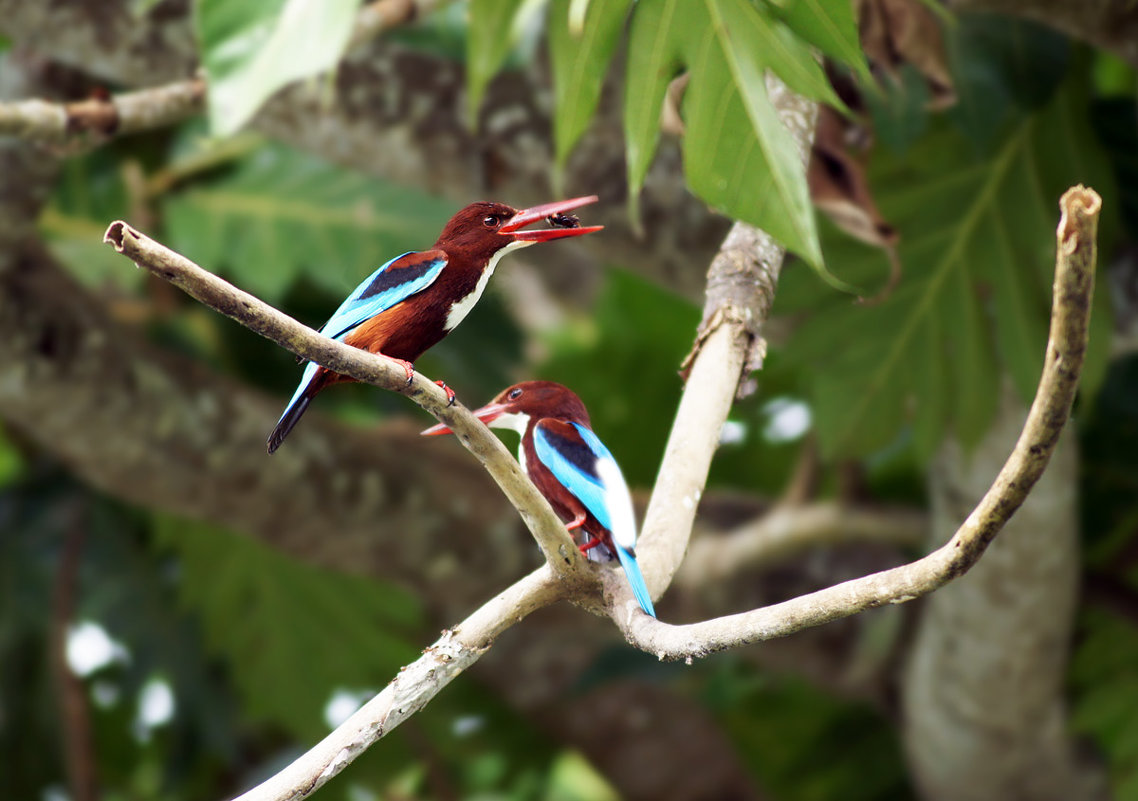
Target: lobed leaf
[(977, 244)]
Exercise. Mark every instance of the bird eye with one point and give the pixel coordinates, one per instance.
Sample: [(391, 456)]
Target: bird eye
[(491, 221), (515, 393)]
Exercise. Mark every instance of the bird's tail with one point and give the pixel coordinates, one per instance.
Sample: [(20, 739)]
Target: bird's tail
[(632, 571), (310, 384)]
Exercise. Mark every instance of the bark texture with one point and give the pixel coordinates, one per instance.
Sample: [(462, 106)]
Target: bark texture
[(982, 702)]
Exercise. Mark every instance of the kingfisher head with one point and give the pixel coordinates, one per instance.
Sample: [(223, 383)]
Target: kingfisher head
[(515, 407), (484, 229)]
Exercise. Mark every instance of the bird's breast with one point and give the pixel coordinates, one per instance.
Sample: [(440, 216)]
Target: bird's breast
[(462, 306)]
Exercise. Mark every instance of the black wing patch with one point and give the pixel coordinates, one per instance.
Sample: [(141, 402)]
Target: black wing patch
[(403, 270), (574, 450)]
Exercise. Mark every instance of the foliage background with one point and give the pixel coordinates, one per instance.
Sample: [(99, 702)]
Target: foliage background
[(253, 643)]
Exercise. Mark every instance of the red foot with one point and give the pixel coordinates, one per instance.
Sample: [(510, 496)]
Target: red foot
[(593, 543), (450, 392), (407, 366), (576, 522)]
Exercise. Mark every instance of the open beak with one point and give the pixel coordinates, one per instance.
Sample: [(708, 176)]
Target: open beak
[(532, 215), (487, 414)]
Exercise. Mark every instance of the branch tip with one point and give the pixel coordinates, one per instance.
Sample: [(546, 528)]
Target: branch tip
[(1080, 206)]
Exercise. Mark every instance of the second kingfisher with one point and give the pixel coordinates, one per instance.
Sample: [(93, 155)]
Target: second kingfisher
[(572, 468), (410, 303)]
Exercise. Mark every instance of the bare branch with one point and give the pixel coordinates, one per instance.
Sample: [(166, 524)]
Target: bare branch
[(96, 120), (411, 690), (741, 283), (789, 529), (560, 552), (1070, 315)]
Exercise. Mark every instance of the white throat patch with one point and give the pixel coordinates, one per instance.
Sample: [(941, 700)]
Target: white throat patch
[(462, 307), (515, 421)]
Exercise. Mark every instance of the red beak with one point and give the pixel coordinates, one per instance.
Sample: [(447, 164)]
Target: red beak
[(532, 215), (487, 414)]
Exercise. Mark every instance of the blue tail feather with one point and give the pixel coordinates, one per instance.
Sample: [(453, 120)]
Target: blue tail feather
[(296, 407), (632, 571)]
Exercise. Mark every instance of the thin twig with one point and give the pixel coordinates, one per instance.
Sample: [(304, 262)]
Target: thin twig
[(1066, 347), (411, 690), (258, 316)]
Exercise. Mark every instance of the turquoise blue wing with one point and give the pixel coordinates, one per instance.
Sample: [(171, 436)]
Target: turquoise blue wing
[(388, 286)]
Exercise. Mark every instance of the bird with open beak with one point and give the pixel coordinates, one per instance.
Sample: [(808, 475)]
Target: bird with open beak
[(410, 303), (572, 468)]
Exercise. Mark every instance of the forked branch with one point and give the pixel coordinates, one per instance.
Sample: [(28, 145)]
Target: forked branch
[(1066, 347)]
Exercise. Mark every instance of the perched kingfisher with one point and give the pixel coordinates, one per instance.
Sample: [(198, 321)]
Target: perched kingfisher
[(572, 468), (413, 301)]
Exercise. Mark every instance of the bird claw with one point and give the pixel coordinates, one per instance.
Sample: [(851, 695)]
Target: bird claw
[(408, 368), (588, 546), (450, 393)]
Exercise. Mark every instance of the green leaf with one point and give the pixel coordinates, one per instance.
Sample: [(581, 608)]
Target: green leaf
[(250, 50), (776, 46), (738, 156), (977, 245), (297, 632), (653, 60), (580, 59), (493, 31), (1105, 686), (281, 215), (89, 193), (828, 24), (762, 181)]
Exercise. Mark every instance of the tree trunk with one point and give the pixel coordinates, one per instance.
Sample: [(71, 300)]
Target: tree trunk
[(982, 697)]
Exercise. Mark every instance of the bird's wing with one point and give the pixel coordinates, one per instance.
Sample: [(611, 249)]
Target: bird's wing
[(584, 466), (391, 284)]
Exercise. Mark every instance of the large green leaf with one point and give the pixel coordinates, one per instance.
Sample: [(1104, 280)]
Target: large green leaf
[(296, 632), (828, 24), (281, 214), (580, 58), (89, 193), (250, 50), (737, 154), (977, 244)]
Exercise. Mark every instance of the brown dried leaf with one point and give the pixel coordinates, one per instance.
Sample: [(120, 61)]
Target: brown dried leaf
[(839, 188), (896, 32)]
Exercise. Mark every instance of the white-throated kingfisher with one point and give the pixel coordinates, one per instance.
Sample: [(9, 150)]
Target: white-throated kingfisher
[(410, 303), (572, 468)]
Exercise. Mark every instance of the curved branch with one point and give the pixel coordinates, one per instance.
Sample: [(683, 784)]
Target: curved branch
[(412, 689), (560, 552), (789, 529), (1066, 347)]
